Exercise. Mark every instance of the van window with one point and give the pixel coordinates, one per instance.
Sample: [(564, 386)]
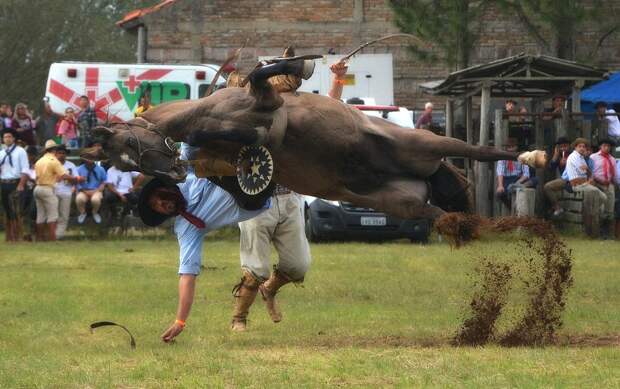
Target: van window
[(202, 89)]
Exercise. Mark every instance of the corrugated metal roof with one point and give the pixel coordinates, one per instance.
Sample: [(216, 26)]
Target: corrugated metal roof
[(517, 76), (131, 19)]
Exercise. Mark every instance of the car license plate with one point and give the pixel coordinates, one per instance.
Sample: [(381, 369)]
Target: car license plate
[(373, 221)]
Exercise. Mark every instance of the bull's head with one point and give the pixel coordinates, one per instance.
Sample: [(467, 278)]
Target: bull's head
[(133, 146)]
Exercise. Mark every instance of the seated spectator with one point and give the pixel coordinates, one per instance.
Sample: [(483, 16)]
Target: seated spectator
[(511, 175), (426, 119), (579, 174), (65, 190), (24, 124), (67, 129), (6, 116), (90, 189), (121, 187), (553, 189), (613, 124), (48, 171), (604, 175)]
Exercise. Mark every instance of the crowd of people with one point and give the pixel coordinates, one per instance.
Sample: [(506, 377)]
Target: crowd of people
[(39, 185)]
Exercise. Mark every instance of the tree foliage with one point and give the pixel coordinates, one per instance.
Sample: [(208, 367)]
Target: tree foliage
[(555, 24), (36, 33), (450, 25)]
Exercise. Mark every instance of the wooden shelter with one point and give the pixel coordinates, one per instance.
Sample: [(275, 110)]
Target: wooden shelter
[(538, 77)]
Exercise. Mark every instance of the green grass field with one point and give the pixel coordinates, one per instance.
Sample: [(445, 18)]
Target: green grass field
[(369, 315)]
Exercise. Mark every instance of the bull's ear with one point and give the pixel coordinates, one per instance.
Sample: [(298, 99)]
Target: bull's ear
[(102, 133), (94, 154)]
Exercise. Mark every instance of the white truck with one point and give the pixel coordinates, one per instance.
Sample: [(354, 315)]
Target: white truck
[(115, 89)]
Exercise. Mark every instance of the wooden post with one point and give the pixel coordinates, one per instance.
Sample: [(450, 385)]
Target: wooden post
[(500, 135), (449, 118), (449, 121), (483, 206), (537, 107), (469, 126), (577, 121), (590, 213)]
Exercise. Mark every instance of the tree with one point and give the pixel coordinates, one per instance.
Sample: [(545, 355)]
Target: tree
[(555, 24), (451, 26), (36, 33)]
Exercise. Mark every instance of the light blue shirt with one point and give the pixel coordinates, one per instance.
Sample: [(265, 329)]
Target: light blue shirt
[(213, 205)]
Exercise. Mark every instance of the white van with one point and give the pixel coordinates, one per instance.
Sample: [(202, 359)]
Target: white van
[(115, 89)]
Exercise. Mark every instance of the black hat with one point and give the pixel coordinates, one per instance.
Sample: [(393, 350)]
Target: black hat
[(562, 140), (610, 142), (600, 104), (147, 214), (61, 147), (11, 131), (510, 101)]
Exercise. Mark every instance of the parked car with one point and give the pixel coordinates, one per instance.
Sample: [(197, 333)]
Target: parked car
[(339, 220)]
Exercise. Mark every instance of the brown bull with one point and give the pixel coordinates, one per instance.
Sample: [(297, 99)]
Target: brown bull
[(329, 149)]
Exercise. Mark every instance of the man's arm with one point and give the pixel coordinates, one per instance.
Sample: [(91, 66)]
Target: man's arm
[(339, 69), (187, 285), (23, 177)]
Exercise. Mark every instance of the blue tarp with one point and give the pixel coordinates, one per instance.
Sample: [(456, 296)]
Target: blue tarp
[(607, 91)]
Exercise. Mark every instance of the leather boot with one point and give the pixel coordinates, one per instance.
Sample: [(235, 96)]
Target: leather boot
[(51, 230), (269, 289), (18, 230), (618, 229), (245, 293), (40, 232), (9, 230)]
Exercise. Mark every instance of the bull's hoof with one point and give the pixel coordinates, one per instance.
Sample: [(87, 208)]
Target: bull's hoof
[(536, 159)]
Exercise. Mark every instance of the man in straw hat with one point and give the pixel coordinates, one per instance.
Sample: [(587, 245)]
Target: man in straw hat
[(199, 206), (48, 172), (13, 176), (579, 174)]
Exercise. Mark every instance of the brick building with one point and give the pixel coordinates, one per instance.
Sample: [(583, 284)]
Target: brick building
[(186, 31)]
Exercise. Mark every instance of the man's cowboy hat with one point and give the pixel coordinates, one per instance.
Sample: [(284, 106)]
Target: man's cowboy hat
[(50, 145), (580, 141), (610, 142), (149, 216)]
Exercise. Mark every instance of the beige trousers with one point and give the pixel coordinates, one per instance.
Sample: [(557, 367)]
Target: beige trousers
[(553, 190), (82, 199), (282, 225), (610, 203), (64, 210), (47, 204), (606, 211)]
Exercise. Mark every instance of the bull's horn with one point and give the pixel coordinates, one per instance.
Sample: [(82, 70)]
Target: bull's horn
[(536, 158)]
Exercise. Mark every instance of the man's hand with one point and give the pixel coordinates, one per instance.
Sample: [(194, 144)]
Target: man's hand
[(500, 189), (339, 69), (20, 187), (174, 330), (122, 198)]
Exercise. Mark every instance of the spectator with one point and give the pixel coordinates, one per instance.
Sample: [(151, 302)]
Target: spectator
[(48, 172), (86, 120), (67, 129), (557, 165), (613, 124), (6, 114), (28, 208), (90, 189), (425, 120), (24, 124), (121, 187), (604, 175), (144, 105), (511, 175), (13, 177), (580, 175), (64, 190)]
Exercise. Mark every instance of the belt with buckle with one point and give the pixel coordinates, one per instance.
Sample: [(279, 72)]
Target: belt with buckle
[(10, 181)]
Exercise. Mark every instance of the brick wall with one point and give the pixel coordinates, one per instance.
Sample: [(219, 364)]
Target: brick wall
[(206, 32)]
